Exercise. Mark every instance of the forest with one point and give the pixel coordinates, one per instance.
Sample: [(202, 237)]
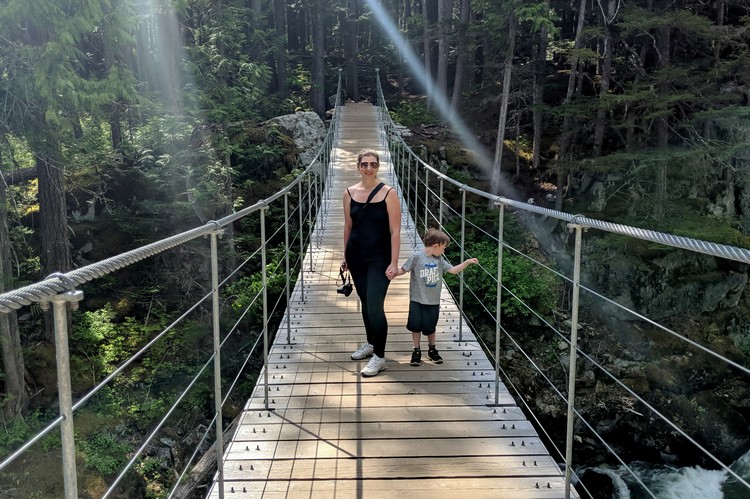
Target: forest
[(123, 121)]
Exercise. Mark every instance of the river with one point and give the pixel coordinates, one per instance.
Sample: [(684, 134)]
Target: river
[(667, 482)]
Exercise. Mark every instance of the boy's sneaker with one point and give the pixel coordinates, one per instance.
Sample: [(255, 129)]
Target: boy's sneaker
[(434, 356), (373, 367), (363, 352), (416, 357)]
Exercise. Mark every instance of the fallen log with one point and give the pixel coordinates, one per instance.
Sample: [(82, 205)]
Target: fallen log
[(13, 177), (204, 468)]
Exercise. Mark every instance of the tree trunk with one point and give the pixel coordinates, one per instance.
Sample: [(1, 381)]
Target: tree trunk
[(479, 55), (663, 36), (350, 49), (606, 76), (508, 69), (566, 135), (53, 226), (538, 99), (318, 62), (461, 55), (110, 58), (426, 40), (294, 26), (445, 14), (279, 20), (16, 394)]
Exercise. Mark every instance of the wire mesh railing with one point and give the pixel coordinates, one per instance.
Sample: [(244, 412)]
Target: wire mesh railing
[(277, 254), (497, 306)]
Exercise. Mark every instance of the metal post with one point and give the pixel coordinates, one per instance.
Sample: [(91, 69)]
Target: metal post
[(60, 317), (440, 211), (377, 94), (573, 353), (499, 301), (288, 270), (217, 361), (416, 199), (309, 216), (408, 185), (301, 244), (426, 195), (461, 274), (314, 201), (397, 151), (265, 302)]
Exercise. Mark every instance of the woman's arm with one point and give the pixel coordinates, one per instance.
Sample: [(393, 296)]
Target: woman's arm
[(347, 224), (394, 225)]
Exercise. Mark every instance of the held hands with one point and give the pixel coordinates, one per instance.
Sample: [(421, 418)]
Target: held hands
[(391, 271), (471, 260)]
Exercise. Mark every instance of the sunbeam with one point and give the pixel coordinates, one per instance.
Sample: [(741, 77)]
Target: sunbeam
[(457, 125)]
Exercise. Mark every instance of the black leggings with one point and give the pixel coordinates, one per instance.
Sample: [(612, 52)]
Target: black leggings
[(371, 285)]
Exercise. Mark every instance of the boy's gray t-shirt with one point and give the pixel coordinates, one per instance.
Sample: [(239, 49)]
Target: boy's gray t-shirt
[(426, 280)]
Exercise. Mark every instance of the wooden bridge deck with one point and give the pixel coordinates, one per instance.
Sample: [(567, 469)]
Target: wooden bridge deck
[(430, 431)]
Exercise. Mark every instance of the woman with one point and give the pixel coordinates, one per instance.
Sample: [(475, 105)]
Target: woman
[(372, 240)]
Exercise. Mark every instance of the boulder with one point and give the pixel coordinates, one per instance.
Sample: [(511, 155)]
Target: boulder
[(306, 129)]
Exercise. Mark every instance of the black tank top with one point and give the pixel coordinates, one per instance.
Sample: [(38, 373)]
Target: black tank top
[(370, 238)]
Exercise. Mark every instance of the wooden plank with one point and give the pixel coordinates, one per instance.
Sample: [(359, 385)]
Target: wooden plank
[(364, 448), (425, 373), (413, 487), (258, 415), (290, 430), (392, 468)]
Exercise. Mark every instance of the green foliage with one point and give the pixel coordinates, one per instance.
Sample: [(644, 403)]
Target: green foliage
[(153, 471), (104, 453), (531, 283), (413, 113), (107, 341), (539, 15), (246, 291), (18, 431), (532, 286)]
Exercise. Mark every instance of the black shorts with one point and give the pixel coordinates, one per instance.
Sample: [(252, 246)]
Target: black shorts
[(422, 318)]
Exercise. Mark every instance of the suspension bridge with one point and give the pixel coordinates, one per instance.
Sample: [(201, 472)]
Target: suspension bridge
[(423, 432), (313, 426)]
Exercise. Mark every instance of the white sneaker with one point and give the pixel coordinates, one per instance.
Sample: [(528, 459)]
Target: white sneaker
[(363, 352), (373, 367)]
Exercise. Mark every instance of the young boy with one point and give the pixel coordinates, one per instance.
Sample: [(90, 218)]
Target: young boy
[(425, 283)]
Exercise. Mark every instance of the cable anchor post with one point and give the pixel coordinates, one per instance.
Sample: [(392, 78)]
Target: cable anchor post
[(60, 302), (576, 227)]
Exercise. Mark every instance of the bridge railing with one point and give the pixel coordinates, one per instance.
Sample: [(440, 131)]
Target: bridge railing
[(435, 199), (294, 211)]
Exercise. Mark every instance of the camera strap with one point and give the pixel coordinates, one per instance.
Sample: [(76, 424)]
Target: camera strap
[(372, 195), (345, 277)]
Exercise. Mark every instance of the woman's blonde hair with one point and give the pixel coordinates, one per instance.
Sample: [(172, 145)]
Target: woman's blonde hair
[(367, 152)]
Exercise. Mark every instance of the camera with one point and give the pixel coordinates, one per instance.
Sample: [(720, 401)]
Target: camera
[(346, 283)]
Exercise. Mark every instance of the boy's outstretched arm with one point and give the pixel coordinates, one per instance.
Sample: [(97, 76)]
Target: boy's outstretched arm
[(458, 268)]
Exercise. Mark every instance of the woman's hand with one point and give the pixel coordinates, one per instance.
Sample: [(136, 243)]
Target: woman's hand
[(391, 271)]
